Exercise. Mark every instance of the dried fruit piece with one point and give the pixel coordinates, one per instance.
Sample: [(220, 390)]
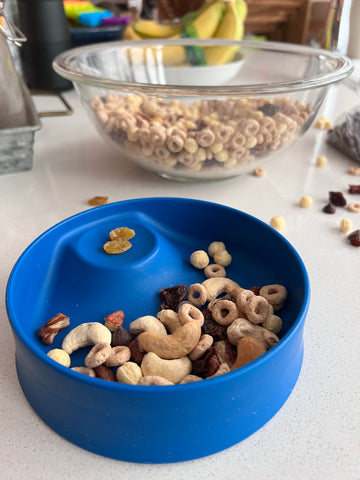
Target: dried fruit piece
[(172, 296), (337, 199), (269, 109), (114, 247), (122, 233), (354, 189), (329, 208), (354, 238), (97, 201)]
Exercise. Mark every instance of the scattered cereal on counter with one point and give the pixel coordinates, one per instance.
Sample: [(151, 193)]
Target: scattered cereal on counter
[(305, 201), (354, 207), (345, 225), (354, 170), (323, 123), (354, 238), (97, 201), (259, 172), (277, 222), (321, 161)]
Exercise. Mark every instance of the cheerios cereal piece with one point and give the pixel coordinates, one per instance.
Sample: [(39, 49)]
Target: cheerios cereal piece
[(354, 170), (354, 207), (199, 259), (215, 247), (259, 172), (305, 201), (277, 222), (345, 225), (321, 161)]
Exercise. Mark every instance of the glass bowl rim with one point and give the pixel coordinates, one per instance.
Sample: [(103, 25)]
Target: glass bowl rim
[(63, 65)]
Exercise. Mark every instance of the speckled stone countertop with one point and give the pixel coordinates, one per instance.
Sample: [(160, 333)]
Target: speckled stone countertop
[(316, 434)]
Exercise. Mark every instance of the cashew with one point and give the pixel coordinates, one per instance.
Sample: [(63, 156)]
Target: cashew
[(173, 370), (60, 356), (176, 345), (170, 319), (241, 327), (129, 373), (84, 335), (217, 285), (154, 380), (148, 323)]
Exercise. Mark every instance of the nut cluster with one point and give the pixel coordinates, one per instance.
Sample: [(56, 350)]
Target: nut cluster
[(207, 135), (202, 331)]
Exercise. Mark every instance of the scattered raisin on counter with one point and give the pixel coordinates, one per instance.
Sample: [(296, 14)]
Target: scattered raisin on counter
[(329, 208), (354, 189), (354, 238), (337, 199)]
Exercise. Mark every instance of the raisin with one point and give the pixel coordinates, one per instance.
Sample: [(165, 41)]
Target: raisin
[(354, 238), (329, 208), (269, 109), (137, 352), (122, 233), (172, 296), (337, 199), (255, 289), (121, 336), (105, 373), (210, 327), (97, 201), (354, 189), (207, 365), (114, 247)]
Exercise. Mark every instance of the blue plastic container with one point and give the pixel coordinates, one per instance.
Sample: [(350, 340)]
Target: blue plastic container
[(66, 270)]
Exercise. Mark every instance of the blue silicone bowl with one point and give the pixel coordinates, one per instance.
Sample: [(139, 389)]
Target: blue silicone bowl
[(66, 270)]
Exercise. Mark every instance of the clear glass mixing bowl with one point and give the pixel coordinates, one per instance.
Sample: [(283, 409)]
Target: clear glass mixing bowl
[(162, 108)]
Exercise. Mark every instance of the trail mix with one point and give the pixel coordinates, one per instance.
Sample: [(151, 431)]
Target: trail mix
[(201, 331), (203, 136)]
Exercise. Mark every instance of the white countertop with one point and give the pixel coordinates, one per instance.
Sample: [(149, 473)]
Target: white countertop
[(316, 435)]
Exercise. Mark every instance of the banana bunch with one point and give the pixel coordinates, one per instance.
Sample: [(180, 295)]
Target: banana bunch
[(217, 19)]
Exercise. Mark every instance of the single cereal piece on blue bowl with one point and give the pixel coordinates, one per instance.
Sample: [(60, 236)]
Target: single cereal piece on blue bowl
[(166, 363)]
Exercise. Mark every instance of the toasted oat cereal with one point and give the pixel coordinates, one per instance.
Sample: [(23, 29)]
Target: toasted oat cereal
[(259, 172), (354, 170)]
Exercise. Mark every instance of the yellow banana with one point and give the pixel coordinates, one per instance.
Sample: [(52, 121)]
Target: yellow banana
[(231, 27), (152, 29), (130, 34), (205, 23)]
